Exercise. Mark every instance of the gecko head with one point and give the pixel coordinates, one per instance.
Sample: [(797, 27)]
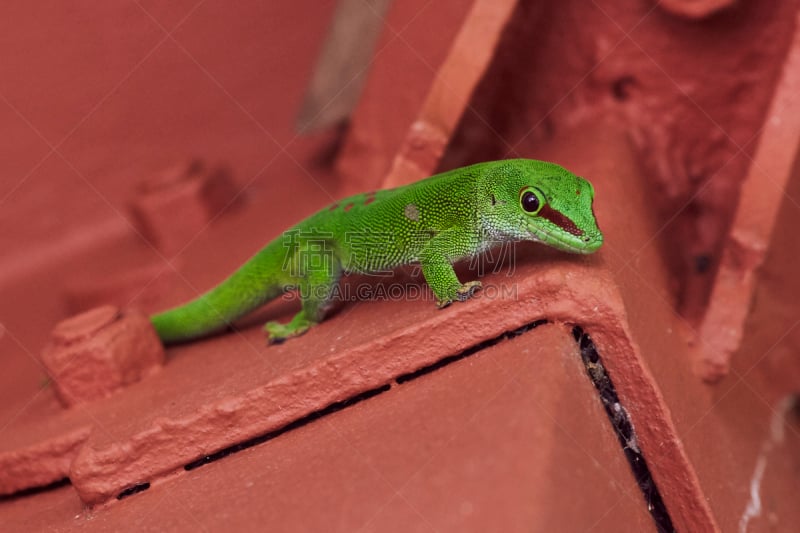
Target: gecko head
[(532, 200)]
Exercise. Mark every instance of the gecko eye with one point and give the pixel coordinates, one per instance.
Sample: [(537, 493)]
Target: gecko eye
[(530, 201)]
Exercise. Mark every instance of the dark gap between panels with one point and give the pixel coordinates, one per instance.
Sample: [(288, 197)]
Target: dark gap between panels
[(63, 482), (623, 427), (332, 408), (338, 406), (617, 415), (472, 350), (135, 489)]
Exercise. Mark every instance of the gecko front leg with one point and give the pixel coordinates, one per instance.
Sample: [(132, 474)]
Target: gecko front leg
[(436, 260)]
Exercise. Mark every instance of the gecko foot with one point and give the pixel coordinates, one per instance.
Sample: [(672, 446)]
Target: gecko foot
[(463, 293), (277, 332), (467, 290)]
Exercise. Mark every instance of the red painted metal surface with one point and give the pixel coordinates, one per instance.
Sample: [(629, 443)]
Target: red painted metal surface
[(650, 103)]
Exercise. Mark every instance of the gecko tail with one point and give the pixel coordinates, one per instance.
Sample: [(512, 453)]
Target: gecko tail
[(193, 320), (247, 289)]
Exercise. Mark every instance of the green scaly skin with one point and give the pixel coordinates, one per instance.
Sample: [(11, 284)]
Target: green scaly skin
[(436, 221)]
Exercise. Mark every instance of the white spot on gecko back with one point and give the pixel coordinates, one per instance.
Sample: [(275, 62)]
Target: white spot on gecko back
[(411, 212)]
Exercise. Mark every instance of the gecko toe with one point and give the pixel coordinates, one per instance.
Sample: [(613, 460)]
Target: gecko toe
[(441, 304), (468, 290)]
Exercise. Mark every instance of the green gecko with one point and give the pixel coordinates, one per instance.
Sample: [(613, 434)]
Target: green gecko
[(436, 222)]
